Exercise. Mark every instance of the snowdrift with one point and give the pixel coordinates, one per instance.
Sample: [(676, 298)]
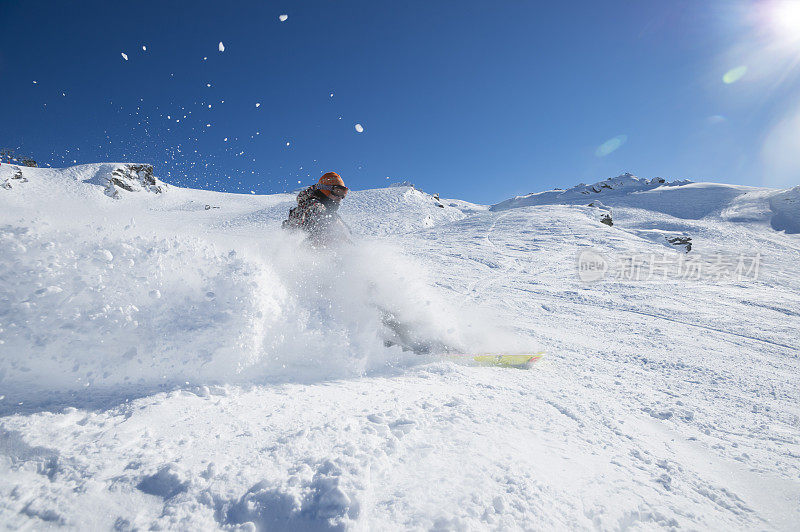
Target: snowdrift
[(786, 210)]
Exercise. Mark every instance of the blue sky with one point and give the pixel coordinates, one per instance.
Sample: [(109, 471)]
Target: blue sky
[(475, 100)]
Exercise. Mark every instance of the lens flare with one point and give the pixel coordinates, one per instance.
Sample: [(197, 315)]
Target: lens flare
[(611, 145), (735, 74)]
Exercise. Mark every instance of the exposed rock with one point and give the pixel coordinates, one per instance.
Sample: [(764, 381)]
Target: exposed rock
[(209, 207), (680, 241), (599, 187), (604, 212), (133, 178), (17, 176)]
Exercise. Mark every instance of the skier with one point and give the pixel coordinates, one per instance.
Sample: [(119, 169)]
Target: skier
[(316, 214)]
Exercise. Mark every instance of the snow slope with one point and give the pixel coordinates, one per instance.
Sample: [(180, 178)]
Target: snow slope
[(170, 359)]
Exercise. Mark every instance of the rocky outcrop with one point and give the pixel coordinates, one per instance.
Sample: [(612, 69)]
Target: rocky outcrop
[(133, 178), (682, 242), (17, 177), (622, 181), (603, 212)]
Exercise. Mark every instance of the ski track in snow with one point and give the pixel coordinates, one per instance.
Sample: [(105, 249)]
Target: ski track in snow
[(175, 361)]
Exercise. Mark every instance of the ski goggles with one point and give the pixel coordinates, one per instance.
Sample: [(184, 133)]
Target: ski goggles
[(337, 190)]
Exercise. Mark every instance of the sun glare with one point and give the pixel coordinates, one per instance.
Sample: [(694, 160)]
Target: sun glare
[(767, 44), (785, 17)]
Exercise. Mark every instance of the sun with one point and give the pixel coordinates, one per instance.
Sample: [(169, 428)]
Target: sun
[(785, 19)]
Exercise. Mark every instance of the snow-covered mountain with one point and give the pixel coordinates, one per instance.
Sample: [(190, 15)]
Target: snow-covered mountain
[(169, 358), (679, 199), (615, 187)]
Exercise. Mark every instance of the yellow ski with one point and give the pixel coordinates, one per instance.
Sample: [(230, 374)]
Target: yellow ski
[(524, 361)]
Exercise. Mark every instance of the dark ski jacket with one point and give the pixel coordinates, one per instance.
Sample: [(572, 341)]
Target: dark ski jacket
[(315, 214)]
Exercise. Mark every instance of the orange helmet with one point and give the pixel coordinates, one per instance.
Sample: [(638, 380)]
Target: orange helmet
[(332, 185)]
